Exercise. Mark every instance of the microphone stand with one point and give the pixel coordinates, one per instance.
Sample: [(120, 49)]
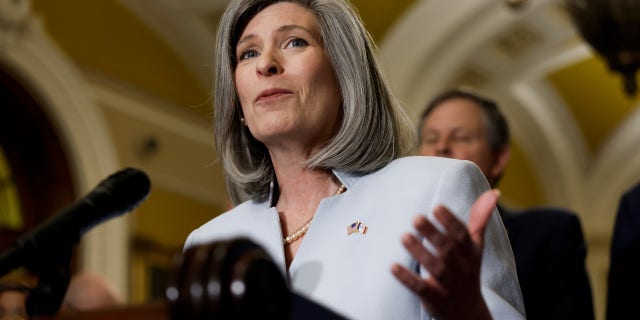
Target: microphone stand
[(54, 273)]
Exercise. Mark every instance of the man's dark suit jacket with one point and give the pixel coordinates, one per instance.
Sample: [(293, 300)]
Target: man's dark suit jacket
[(550, 251), (624, 270)]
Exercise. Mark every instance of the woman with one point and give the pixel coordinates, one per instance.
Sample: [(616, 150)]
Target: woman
[(308, 131)]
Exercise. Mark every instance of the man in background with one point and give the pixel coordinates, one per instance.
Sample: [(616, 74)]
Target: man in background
[(547, 243), (624, 268)]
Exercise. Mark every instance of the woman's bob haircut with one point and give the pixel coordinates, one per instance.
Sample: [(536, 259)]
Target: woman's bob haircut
[(373, 131)]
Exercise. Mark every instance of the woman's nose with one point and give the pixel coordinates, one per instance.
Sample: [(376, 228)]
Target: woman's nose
[(268, 64)]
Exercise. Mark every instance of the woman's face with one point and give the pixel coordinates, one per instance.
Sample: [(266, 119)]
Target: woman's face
[(285, 82)]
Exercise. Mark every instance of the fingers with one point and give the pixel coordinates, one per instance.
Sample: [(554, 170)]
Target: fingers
[(422, 287), (456, 233), (454, 266), (451, 246), (429, 231), (455, 243), (480, 213), (454, 227), (422, 255)]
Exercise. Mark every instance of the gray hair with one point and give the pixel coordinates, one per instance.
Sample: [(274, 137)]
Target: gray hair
[(374, 128)]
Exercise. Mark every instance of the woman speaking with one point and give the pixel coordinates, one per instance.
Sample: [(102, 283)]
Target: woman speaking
[(311, 141)]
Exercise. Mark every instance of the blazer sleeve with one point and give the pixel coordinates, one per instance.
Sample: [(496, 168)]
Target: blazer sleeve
[(458, 189)]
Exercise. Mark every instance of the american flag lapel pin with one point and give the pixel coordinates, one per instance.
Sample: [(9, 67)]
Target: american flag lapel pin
[(357, 227)]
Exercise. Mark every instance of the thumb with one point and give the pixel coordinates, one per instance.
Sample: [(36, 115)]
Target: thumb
[(480, 213)]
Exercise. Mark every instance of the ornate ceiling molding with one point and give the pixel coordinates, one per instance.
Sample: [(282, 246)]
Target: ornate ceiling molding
[(188, 27), (509, 55), (15, 17)]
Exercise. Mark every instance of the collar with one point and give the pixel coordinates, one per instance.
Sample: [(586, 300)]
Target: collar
[(348, 179)]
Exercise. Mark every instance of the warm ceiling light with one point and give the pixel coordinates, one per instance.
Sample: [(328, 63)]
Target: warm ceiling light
[(612, 28)]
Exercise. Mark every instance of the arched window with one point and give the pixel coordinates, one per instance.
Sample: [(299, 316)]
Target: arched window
[(10, 212), (34, 170)]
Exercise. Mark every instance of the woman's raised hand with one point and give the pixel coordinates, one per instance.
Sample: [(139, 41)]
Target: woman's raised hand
[(452, 291)]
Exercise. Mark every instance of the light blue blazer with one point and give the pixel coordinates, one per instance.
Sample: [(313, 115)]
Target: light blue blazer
[(350, 273)]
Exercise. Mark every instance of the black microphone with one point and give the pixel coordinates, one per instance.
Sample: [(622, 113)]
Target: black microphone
[(115, 195)]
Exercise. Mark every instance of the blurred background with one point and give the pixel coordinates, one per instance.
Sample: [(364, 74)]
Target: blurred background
[(90, 87)]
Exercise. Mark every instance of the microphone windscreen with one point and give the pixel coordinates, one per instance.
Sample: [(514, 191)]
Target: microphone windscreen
[(121, 191)]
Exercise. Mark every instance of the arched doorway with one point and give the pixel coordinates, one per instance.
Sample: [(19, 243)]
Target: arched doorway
[(36, 163)]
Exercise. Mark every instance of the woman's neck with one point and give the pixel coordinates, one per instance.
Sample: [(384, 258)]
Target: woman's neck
[(302, 189)]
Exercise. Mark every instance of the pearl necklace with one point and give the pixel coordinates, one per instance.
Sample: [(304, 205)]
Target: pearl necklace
[(292, 237)]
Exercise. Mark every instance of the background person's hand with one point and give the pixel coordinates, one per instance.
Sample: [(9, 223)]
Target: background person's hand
[(453, 289)]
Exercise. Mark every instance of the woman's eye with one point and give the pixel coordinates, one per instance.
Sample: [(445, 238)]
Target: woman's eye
[(248, 54), (297, 42)]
